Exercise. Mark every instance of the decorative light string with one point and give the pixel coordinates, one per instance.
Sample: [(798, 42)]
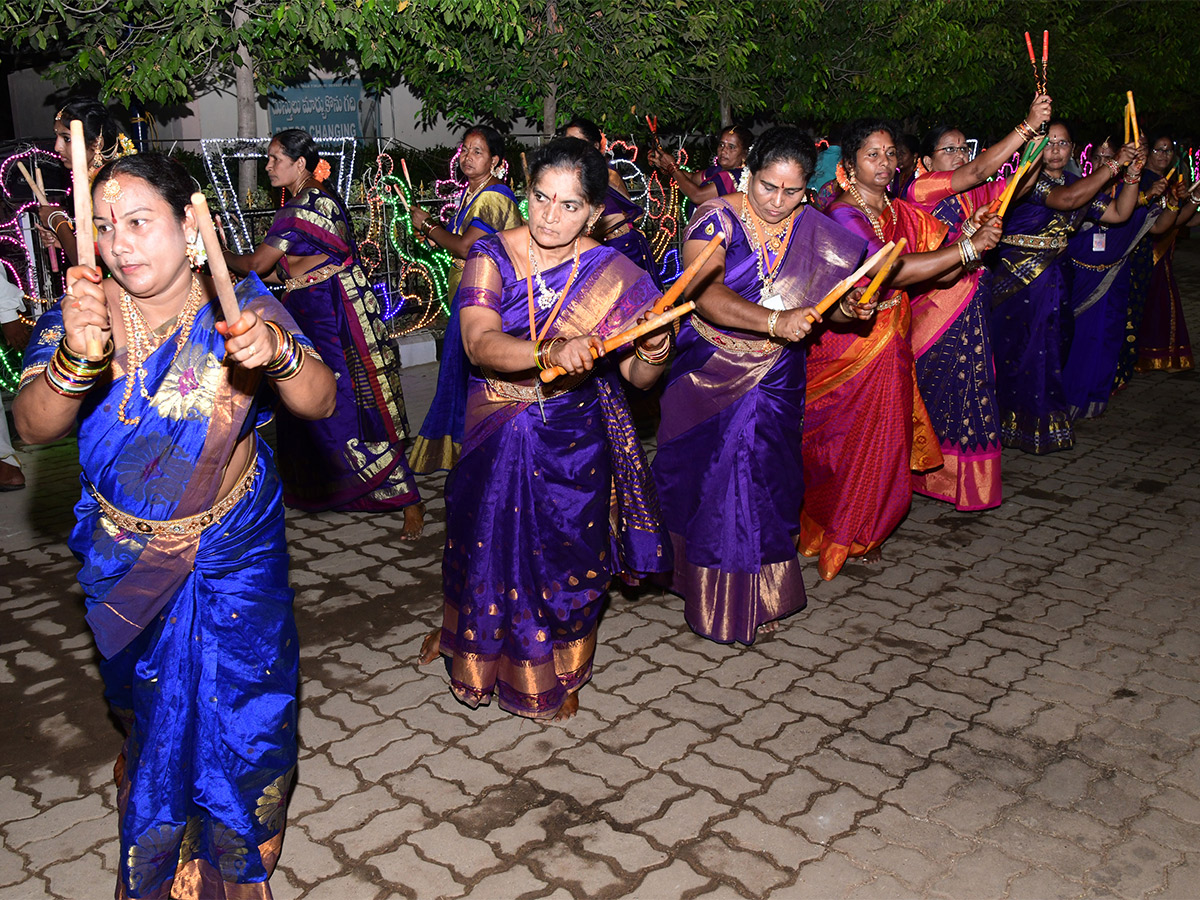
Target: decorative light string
[(423, 268), (217, 152)]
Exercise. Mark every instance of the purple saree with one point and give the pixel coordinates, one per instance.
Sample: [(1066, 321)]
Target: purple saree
[(1101, 283), (355, 459), (624, 236), (532, 537), (729, 470), (1031, 320)]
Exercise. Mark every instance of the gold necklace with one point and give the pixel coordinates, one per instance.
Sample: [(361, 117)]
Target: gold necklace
[(876, 221), (469, 198), (141, 342)]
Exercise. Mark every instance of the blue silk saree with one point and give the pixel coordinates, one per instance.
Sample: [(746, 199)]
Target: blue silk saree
[(196, 627)]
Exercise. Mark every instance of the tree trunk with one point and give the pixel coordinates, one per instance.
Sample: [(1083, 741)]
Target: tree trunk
[(549, 111), (726, 111), (550, 100), (247, 118)]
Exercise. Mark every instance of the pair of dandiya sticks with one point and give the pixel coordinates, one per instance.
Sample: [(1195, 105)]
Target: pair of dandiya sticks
[(666, 312), (86, 248), (1032, 152)]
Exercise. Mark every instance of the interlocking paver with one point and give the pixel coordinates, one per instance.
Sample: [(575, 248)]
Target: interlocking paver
[(1006, 706)]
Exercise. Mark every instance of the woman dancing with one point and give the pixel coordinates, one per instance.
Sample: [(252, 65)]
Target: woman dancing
[(105, 141), (530, 551), (617, 227), (1030, 317), (867, 427), (486, 206), (180, 532), (952, 345), (355, 459), (728, 468), (719, 179)]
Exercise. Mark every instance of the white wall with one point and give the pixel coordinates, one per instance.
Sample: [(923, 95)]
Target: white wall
[(214, 115)]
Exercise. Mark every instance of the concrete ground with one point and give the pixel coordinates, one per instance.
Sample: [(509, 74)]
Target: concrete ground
[(1006, 707)]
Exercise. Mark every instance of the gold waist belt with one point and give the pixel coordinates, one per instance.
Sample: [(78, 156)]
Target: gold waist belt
[(1103, 267), (736, 345), (528, 393), (188, 526), (1034, 241), (315, 276)]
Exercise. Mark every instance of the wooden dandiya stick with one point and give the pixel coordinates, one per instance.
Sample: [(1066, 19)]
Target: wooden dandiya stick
[(1010, 191), (85, 245), (404, 168), (1032, 61), (660, 308), (1000, 205), (37, 173), (39, 193), (884, 271), (41, 186), (1127, 122), (1045, 60), (674, 292), (1137, 134), (525, 166), (216, 259), (838, 290), (625, 337)]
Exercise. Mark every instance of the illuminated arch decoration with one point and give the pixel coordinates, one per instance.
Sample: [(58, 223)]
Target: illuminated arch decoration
[(22, 249), (424, 268), (661, 222), (217, 152)]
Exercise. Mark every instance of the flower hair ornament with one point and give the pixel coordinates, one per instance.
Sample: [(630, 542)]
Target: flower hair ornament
[(844, 181), (743, 184), (321, 172), (500, 171)]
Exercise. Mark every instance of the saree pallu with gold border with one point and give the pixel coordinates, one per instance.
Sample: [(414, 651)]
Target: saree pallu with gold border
[(1031, 320), (439, 442), (1100, 272), (728, 467), (952, 348), (542, 513), (867, 427), (196, 628), (355, 459), (1163, 341)]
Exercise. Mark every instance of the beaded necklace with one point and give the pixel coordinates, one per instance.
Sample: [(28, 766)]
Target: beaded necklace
[(141, 341), (545, 295), (876, 221), (774, 242)]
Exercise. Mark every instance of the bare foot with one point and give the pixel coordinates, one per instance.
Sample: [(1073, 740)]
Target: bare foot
[(568, 709), (873, 556), (768, 627), (431, 647), (414, 522)]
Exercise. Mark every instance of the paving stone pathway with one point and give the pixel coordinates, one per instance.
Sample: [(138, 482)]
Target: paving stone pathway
[(1005, 707)]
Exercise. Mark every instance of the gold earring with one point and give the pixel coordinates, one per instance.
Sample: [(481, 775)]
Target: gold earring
[(196, 254)]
